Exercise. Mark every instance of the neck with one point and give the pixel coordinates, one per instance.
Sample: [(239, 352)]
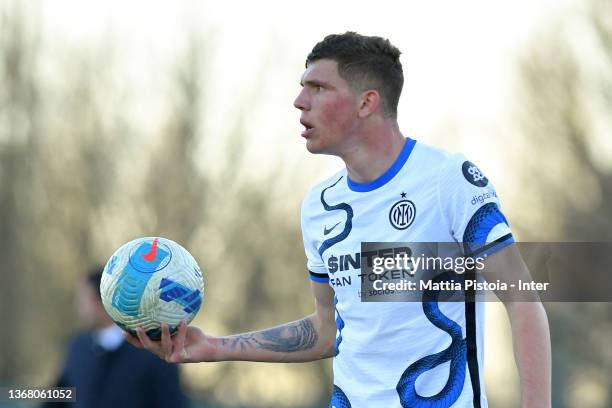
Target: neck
[(375, 152)]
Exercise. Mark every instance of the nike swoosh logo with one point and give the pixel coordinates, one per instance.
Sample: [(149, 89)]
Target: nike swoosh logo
[(150, 257), (327, 231)]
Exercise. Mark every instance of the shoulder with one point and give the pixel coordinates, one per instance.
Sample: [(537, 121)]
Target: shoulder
[(447, 165), (451, 172), (314, 194), (459, 171), (435, 158), (430, 164)]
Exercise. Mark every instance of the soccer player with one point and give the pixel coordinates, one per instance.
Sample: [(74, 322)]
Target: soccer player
[(393, 188)]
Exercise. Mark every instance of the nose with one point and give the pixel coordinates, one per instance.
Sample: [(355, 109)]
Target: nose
[(301, 102)]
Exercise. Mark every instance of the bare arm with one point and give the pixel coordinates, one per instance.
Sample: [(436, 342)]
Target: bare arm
[(530, 331), (311, 338)]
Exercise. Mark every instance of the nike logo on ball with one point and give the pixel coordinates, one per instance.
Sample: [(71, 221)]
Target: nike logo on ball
[(327, 231), (150, 257)]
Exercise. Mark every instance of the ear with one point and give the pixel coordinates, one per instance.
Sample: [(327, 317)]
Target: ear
[(369, 103)]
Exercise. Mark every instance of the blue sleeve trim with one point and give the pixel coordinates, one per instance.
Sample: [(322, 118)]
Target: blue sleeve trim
[(494, 246), (318, 277), (482, 222)]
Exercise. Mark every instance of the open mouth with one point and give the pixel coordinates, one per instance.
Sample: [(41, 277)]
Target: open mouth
[(307, 128), (307, 125)]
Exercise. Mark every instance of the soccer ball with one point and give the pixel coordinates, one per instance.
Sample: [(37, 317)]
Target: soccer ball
[(149, 281)]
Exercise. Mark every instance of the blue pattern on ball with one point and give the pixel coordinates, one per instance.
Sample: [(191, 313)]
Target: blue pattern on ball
[(134, 279), (171, 291)]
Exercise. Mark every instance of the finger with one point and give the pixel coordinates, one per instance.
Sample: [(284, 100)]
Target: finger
[(146, 341), (166, 343), (180, 341), (132, 340)]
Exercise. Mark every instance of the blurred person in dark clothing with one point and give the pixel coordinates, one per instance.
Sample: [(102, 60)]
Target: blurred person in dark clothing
[(108, 371)]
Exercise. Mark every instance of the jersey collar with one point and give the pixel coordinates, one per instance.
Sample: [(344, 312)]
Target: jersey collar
[(387, 175)]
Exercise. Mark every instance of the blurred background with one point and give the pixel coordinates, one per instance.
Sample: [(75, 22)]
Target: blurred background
[(126, 119)]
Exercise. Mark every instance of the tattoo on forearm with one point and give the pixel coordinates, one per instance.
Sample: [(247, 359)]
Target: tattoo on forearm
[(288, 338)]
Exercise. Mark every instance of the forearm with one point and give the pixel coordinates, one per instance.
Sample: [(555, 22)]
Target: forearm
[(531, 339), (303, 340)]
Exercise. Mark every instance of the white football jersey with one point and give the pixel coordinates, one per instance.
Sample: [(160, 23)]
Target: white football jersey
[(403, 354)]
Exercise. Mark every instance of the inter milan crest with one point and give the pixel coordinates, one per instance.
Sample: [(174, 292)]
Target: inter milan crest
[(402, 214), (474, 175)]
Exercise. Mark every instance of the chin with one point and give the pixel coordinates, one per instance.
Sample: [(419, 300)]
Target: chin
[(312, 148), (315, 146), (318, 149)]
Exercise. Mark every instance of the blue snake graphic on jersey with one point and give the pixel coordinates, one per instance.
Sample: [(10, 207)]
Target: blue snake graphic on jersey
[(339, 326), (334, 240), (455, 353), (475, 234), (348, 225), (339, 399)]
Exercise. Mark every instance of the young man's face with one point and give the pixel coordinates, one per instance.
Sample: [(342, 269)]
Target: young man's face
[(329, 108)]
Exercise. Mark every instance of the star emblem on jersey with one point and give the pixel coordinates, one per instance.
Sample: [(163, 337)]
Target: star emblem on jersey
[(473, 174), (402, 213)]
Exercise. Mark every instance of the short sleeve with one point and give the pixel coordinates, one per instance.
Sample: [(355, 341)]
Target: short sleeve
[(316, 266), (471, 207)]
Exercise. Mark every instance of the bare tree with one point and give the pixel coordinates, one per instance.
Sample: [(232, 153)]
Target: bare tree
[(19, 140), (66, 193), (566, 105), (175, 189)]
